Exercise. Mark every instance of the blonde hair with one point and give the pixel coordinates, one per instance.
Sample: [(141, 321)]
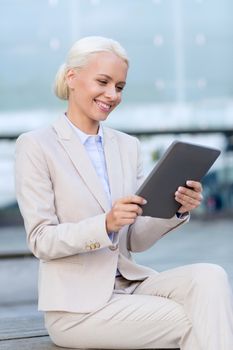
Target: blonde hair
[(78, 57)]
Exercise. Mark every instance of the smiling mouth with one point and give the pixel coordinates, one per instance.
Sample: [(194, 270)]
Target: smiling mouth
[(103, 106)]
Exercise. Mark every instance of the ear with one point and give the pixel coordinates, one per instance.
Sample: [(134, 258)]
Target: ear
[(71, 76)]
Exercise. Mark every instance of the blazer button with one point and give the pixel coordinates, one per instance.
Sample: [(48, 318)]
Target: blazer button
[(92, 245), (97, 245), (113, 247), (88, 247)]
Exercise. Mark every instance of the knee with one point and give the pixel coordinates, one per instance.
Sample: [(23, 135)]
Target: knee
[(210, 275)]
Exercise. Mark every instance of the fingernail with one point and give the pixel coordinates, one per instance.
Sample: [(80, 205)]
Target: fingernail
[(144, 201)]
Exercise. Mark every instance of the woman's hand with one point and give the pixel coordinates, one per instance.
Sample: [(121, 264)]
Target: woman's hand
[(189, 198), (124, 212)]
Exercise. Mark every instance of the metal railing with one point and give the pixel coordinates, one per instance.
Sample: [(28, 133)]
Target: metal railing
[(219, 193), (227, 132)]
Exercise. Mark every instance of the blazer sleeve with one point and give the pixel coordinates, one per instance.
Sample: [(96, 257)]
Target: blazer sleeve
[(47, 238), (147, 230)]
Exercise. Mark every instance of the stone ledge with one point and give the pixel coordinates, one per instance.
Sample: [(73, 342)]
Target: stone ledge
[(27, 333)]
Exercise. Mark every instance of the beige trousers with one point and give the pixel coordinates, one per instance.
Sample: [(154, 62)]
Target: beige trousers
[(190, 307)]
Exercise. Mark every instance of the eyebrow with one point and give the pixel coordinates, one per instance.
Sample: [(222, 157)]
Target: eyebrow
[(108, 77)]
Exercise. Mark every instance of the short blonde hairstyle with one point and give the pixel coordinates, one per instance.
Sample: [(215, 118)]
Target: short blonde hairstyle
[(78, 57)]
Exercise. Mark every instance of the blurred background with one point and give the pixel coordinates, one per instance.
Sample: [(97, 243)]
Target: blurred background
[(180, 86)]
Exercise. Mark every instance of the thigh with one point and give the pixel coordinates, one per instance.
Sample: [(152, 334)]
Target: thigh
[(171, 284), (126, 322), (178, 283)]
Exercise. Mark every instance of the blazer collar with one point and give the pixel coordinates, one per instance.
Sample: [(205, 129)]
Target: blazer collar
[(80, 159)]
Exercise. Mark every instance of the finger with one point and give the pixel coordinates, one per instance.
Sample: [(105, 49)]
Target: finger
[(133, 199), (189, 196), (126, 215), (185, 208), (189, 193), (129, 215), (122, 215), (131, 208), (134, 208), (187, 201), (197, 186)]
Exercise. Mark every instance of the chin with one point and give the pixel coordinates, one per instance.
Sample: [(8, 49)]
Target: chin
[(102, 118)]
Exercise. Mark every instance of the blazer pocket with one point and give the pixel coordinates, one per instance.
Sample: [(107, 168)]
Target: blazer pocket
[(74, 259)]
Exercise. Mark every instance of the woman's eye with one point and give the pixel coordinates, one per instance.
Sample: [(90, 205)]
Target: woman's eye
[(102, 82), (119, 88)]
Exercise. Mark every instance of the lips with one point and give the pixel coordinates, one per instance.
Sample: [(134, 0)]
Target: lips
[(104, 107)]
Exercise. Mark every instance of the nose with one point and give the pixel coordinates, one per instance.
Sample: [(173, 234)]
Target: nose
[(111, 93)]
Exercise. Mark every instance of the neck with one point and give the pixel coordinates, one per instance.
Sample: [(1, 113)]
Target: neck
[(88, 126)]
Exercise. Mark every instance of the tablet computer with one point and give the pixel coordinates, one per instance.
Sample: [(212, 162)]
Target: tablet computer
[(181, 162)]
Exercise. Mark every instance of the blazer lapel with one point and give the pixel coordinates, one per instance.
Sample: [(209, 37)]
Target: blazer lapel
[(114, 165), (81, 161)]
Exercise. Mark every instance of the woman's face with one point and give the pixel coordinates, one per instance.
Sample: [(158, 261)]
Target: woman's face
[(96, 89)]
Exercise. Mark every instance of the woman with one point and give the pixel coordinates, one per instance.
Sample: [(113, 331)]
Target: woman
[(75, 183)]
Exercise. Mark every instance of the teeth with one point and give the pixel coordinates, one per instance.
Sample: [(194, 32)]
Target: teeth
[(103, 105)]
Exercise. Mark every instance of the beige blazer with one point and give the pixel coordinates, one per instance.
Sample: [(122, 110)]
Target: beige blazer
[(64, 207)]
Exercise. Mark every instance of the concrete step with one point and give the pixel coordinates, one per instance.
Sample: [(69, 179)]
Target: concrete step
[(34, 343), (22, 327), (26, 333)]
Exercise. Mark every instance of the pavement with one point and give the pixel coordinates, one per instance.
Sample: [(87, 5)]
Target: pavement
[(198, 241)]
